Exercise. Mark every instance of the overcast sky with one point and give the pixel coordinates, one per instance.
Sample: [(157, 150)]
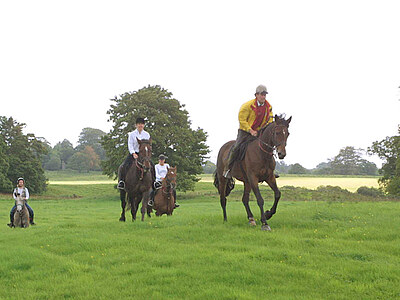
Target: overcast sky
[(332, 65)]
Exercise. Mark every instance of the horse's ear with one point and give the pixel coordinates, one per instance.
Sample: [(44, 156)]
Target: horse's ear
[(150, 141), (288, 121), (139, 141)]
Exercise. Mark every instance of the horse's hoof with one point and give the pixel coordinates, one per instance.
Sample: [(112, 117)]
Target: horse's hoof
[(122, 219), (265, 227), (252, 222)]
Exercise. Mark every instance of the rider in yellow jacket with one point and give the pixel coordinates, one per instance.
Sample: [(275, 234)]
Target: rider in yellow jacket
[(247, 115), (253, 115)]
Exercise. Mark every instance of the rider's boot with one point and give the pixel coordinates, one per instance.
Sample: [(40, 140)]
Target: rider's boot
[(11, 224), (31, 221), (176, 203)]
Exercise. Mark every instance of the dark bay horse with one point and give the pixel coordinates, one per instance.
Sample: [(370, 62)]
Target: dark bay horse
[(164, 201), (21, 215), (138, 182), (257, 166)]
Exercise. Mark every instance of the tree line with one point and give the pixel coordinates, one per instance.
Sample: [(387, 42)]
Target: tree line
[(170, 127)]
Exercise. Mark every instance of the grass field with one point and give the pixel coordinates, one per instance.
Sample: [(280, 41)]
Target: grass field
[(316, 249)]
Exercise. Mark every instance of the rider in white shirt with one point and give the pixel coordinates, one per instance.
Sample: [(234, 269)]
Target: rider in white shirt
[(23, 191), (133, 146), (161, 171)]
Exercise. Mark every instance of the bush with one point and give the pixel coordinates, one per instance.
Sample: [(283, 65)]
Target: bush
[(370, 191)]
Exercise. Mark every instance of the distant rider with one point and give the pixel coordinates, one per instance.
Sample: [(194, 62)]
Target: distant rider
[(133, 146), (253, 115), (23, 191), (161, 171)]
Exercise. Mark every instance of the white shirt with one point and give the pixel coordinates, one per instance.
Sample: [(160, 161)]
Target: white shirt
[(161, 171), (133, 144), (19, 191)]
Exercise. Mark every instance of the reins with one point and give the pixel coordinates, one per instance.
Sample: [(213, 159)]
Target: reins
[(261, 142)]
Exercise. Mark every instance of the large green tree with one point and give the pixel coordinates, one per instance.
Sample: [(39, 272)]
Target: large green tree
[(24, 155), (349, 161), (169, 126), (92, 137), (389, 150), (65, 150), (5, 183)]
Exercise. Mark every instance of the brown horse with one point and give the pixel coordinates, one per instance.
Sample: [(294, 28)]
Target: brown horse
[(138, 182), (164, 200), (258, 165), (21, 215)]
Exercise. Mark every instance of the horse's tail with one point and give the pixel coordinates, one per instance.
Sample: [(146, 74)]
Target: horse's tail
[(216, 181)]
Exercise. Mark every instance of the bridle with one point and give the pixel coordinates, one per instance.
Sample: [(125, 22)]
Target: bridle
[(274, 143), (169, 186), (141, 163)]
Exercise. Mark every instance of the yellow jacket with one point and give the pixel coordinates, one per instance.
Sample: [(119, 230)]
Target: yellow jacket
[(247, 115)]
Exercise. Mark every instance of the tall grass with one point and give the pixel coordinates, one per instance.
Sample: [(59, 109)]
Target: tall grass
[(316, 249)]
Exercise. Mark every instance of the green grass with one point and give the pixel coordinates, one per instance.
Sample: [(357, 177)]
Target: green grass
[(316, 249)]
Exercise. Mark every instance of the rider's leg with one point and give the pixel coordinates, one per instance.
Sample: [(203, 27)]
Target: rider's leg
[(31, 214), (153, 192), (241, 136), (122, 171), (12, 211), (176, 203)]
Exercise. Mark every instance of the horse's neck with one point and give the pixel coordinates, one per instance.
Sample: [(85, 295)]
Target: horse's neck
[(266, 136)]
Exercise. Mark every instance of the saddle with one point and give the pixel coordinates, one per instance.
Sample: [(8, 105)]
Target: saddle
[(238, 152)]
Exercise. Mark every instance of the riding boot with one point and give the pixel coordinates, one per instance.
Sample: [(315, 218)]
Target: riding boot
[(11, 224), (31, 221), (176, 203), (121, 176)]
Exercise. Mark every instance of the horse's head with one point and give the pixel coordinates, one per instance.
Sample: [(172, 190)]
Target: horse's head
[(281, 133), (20, 203), (171, 177), (145, 152), (275, 135)]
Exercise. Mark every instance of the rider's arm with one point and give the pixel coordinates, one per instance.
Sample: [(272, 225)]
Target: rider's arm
[(27, 194), (132, 143), (244, 113), (14, 194), (271, 116)]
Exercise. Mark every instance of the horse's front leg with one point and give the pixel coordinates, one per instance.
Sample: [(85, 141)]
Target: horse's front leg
[(132, 201), (245, 200), (272, 183), (123, 205), (260, 202), (145, 200)]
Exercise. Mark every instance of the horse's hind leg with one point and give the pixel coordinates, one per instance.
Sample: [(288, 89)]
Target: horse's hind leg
[(272, 183), (245, 200), (123, 205), (222, 197)]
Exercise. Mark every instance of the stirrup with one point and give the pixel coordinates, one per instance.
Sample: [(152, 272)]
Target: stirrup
[(227, 174), (121, 185)]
